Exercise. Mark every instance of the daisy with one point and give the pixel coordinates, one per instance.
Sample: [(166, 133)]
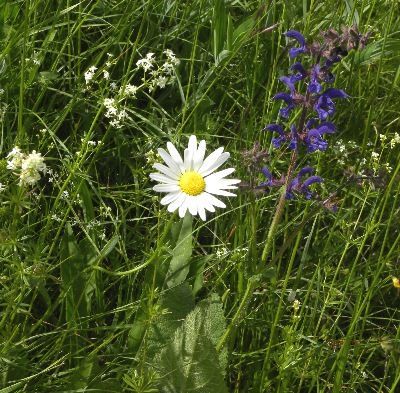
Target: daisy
[(191, 182)]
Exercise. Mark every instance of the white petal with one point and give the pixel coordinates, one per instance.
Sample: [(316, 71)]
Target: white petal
[(186, 160), (210, 160), (192, 205), (199, 155), (204, 201), (228, 182), (177, 202), (214, 201), (183, 207), (162, 178), (222, 184), (202, 212), (166, 188), (218, 162), (175, 154), (218, 191), (192, 145), (190, 152), (220, 174), (167, 171), (168, 160), (170, 198)]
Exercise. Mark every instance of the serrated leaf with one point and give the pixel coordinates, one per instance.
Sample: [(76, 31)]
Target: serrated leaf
[(175, 304), (190, 362)]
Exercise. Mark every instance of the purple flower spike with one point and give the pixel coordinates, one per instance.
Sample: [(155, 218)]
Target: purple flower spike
[(301, 73), (314, 139), (287, 98), (307, 170), (307, 183), (314, 86), (283, 96), (299, 186), (295, 184), (276, 142), (324, 106), (288, 82), (294, 138), (335, 93), (315, 142), (268, 183), (326, 128), (293, 52)]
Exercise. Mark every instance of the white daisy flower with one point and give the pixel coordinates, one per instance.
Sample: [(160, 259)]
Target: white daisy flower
[(191, 182)]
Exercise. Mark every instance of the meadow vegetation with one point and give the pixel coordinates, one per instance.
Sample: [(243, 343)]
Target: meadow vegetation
[(102, 289)]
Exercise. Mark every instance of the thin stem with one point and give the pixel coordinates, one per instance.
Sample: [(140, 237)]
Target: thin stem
[(252, 283)]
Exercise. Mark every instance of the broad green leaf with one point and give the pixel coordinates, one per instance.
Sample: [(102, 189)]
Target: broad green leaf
[(175, 304), (190, 362)]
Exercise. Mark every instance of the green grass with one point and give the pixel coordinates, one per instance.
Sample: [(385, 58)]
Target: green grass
[(104, 290)]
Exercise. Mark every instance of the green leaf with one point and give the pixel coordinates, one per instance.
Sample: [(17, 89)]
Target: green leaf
[(190, 362), (196, 272), (175, 305), (179, 265)]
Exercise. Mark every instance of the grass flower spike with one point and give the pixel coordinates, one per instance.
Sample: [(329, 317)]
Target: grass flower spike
[(191, 182)]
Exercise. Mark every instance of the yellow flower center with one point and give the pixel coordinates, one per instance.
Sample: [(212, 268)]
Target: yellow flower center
[(192, 183)]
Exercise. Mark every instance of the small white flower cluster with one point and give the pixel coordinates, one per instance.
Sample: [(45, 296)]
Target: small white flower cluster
[(27, 166), (53, 176), (147, 63), (151, 157), (34, 59), (222, 252), (129, 90), (2, 187), (395, 140), (92, 143), (163, 75), (116, 115), (89, 74)]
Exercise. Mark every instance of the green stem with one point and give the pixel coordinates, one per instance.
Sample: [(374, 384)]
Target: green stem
[(275, 222), (252, 283)]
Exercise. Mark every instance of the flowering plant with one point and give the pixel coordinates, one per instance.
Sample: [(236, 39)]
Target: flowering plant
[(316, 103), (310, 90)]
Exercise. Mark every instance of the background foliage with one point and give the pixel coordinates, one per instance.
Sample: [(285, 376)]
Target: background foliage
[(101, 290)]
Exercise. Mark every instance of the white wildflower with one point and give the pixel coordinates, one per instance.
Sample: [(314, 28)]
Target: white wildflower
[(375, 156), (161, 81), (106, 74), (395, 140), (89, 74), (31, 167), (2, 187), (130, 90), (190, 183), (146, 63), (171, 57), (15, 157)]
